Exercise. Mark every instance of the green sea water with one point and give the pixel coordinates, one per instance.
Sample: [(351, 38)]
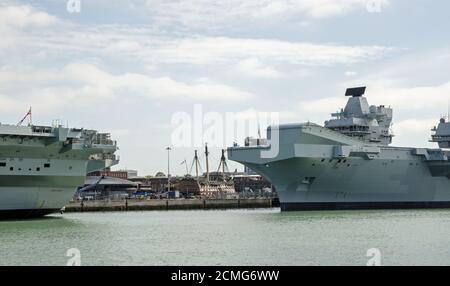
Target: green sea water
[(233, 237)]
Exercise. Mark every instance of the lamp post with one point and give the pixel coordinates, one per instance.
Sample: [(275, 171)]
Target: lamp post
[(168, 169)]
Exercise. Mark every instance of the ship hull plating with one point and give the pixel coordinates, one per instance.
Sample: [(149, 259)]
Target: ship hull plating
[(395, 178), (356, 183), (31, 188), (35, 201)]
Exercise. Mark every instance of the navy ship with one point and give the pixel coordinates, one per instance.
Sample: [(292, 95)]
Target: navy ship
[(349, 164), (42, 166)]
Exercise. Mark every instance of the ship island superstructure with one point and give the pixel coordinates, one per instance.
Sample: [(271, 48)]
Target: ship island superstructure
[(348, 163), (42, 166)]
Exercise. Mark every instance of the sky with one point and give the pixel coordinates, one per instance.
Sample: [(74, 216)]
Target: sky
[(132, 67)]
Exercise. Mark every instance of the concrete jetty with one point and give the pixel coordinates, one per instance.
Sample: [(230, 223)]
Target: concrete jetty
[(167, 204)]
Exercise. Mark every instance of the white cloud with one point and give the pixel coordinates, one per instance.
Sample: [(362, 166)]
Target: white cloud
[(414, 132), (200, 50), (320, 107), (415, 98), (197, 91), (350, 73), (24, 16), (416, 126), (84, 84), (250, 57), (14, 19), (8, 104), (224, 50), (314, 9), (255, 68), (216, 14)]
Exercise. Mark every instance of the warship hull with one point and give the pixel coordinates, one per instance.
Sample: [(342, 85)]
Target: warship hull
[(310, 184), (28, 189), (31, 202)]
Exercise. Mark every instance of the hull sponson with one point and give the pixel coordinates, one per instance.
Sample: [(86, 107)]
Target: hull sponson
[(25, 214)]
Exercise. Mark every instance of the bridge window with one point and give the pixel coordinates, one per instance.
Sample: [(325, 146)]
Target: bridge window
[(2, 164), (47, 165)]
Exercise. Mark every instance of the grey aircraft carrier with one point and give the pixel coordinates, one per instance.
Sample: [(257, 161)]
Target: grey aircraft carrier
[(348, 163), (42, 166)]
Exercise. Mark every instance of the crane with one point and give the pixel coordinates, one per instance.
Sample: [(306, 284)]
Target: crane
[(29, 116)]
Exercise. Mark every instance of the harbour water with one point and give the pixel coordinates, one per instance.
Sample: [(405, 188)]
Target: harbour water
[(230, 237)]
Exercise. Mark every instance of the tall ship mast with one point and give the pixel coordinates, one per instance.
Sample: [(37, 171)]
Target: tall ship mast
[(349, 164), (42, 166), (212, 184)]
